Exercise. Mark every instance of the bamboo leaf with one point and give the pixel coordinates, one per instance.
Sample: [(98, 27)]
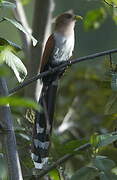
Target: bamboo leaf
[(21, 28), (18, 101)]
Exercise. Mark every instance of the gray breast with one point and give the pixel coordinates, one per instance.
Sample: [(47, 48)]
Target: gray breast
[(63, 48)]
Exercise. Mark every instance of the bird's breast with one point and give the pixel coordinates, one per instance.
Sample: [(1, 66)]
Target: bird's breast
[(63, 48)]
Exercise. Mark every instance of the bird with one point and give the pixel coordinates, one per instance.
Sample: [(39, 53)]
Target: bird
[(58, 49)]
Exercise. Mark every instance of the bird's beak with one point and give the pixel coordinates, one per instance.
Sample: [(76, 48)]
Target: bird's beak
[(77, 17)]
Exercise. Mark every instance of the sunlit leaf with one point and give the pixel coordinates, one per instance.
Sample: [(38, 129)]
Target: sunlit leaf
[(112, 2), (7, 4), (94, 19), (17, 101), (85, 173), (54, 174), (21, 28), (6, 56), (94, 140)]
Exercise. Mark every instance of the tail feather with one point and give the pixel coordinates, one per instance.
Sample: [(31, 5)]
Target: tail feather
[(43, 125)]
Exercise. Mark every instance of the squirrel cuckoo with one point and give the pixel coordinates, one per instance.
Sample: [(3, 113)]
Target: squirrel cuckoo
[(58, 49)]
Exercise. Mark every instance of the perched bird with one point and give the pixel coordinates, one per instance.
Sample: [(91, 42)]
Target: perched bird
[(58, 49)]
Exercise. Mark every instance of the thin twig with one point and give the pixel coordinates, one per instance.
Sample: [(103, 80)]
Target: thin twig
[(110, 4), (67, 63)]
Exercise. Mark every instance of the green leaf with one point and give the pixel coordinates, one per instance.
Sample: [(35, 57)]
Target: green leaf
[(107, 176), (54, 174), (25, 2), (7, 4), (94, 19), (18, 101), (14, 47), (2, 48), (106, 139), (103, 164), (94, 140), (112, 2), (85, 173), (21, 28), (6, 56), (4, 71), (72, 145)]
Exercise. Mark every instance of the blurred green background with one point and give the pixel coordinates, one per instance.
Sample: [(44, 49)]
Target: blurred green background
[(85, 92)]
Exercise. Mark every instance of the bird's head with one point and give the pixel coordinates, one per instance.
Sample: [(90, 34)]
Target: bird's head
[(66, 19)]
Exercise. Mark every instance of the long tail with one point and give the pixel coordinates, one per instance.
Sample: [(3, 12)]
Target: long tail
[(43, 125)]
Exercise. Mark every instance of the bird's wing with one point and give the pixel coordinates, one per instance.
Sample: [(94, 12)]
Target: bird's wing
[(47, 51)]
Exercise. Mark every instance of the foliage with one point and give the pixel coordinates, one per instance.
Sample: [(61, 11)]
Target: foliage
[(86, 95), (7, 4), (95, 18), (18, 101)]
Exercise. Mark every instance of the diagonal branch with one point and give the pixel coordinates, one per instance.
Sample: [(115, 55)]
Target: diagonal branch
[(67, 63)]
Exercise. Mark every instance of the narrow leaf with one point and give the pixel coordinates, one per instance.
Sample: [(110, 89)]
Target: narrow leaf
[(106, 139), (17, 101), (7, 4), (5, 42), (15, 64), (21, 28)]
